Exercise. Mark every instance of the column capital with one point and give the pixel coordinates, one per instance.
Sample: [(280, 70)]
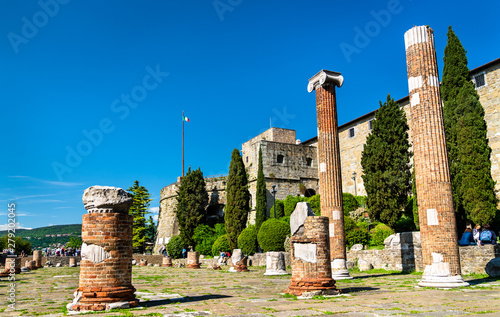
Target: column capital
[(325, 78)]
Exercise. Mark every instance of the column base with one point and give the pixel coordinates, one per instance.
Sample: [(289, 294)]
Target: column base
[(312, 286), (339, 270), (103, 298), (193, 266), (442, 281)]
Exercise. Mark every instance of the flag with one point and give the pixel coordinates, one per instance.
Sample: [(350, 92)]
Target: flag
[(185, 119)]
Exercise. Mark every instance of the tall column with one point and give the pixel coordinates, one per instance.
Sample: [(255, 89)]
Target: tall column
[(330, 176), (435, 199), (37, 257), (106, 264)]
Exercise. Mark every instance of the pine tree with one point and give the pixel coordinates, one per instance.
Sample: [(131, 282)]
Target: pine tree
[(261, 193), (238, 199), (192, 200), (466, 139), (386, 164), (139, 210)]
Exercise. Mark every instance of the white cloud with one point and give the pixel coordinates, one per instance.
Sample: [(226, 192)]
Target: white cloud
[(154, 210), (155, 218), (18, 226), (65, 184)]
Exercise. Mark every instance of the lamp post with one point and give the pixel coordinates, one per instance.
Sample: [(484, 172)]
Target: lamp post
[(354, 179), (274, 195)]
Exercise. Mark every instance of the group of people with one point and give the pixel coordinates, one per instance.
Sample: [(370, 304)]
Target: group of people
[(61, 252), (478, 236)]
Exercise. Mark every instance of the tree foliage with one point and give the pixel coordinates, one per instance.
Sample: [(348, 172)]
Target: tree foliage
[(19, 243), (386, 164), (261, 193), (192, 200), (139, 210), (247, 241), (175, 246), (466, 139), (204, 237), (74, 243), (238, 199), (272, 235)]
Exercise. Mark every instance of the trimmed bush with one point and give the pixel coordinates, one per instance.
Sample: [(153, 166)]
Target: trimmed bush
[(280, 209), (379, 233), (349, 224), (272, 235), (204, 236), (314, 202), (175, 246), (285, 219), (247, 241), (291, 202), (221, 244), (355, 236), (405, 224), (350, 203)]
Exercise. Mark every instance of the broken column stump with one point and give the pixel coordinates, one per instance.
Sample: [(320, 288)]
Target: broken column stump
[(167, 262), (193, 260), (106, 263), (275, 263), (310, 252), (236, 257), (12, 266), (37, 257)]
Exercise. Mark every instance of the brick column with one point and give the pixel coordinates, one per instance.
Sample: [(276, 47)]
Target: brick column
[(434, 193), (193, 260), (311, 268), (106, 263), (330, 175)]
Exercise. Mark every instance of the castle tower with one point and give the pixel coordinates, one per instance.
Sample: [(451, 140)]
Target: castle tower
[(432, 175), (106, 265), (330, 176)]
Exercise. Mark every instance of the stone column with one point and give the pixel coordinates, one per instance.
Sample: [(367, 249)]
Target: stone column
[(235, 258), (435, 199), (106, 263), (12, 266), (72, 262), (31, 265), (310, 251), (167, 262), (275, 263), (330, 175), (193, 260), (37, 257)]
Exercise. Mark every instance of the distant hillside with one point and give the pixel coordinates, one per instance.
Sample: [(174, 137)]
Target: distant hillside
[(49, 236)]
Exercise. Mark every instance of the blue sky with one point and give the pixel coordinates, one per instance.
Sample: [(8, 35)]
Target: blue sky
[(92, 92)]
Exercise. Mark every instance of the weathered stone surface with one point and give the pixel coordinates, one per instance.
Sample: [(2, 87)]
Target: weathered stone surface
[(493, 268), (235, 258), (306, 252), (299, 215), (350, 265), (275, 264), (193, 260), (357, 247), (364, 265), (58, 265), (106, 199), (94, 253)]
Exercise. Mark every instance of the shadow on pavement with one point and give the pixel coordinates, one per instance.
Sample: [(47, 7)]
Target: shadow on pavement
[(187, 299), (350, 290)]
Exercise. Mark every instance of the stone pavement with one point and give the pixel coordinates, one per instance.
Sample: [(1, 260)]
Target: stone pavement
[(204, 292)]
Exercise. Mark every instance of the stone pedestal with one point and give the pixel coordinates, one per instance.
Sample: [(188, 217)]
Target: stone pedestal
[(37, 257), (193, 260), (72, 262), (432, 177), (106, 263), (167, 262), (143, 263), (311, 267), (235, 258), (31, 265), (12, 266), (275, 264), (330, 174)]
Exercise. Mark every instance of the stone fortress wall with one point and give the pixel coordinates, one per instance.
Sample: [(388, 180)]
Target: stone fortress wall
[(299, 165)]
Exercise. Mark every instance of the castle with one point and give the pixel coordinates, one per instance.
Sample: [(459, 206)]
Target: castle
[(292, 165)]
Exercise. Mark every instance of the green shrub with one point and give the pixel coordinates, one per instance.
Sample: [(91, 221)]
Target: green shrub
[(285, 219), (361, 201), (247, 241), (221, 244), (349, 224), (350, 203), (379, 233), (280, 209), (314, 201), (355, 236), (220, 229), (405, 224), (291, 203), (204, 236), (272, 235), (175, 246)]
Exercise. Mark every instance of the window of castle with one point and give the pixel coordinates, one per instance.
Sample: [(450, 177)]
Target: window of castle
[(280, 159), (370, 125), (309, 161), (479, 80), (351, 133)]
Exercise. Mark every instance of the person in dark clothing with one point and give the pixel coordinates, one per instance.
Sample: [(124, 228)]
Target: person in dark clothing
[(467, 238)]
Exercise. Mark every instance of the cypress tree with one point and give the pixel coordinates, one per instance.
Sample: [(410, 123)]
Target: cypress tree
[(386, 164), (238, 199), (466, 139), (261, 193), (139, 210), (192, 200)]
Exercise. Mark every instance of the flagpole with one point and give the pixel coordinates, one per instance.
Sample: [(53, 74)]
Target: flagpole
[(182, 143)]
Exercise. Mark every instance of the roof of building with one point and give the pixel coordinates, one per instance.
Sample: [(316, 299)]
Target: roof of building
[(372, 113)]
